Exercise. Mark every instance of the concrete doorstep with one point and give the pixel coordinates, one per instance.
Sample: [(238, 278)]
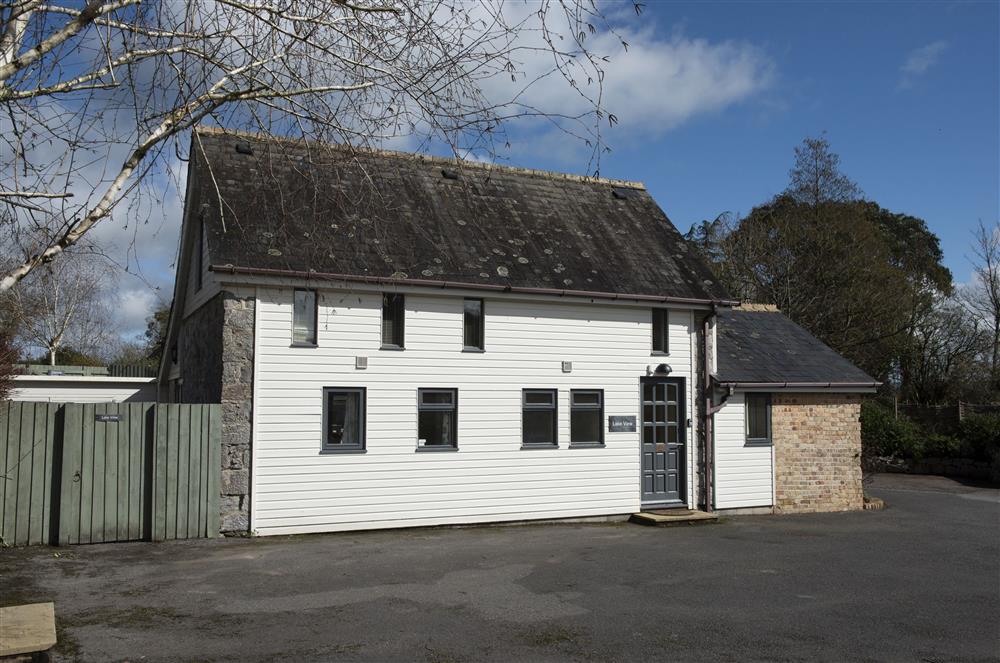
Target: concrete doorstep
[(671, 517), (27, 630)]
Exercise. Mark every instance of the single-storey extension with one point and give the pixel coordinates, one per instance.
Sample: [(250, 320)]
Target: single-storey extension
[(402, 340), (81, 384)]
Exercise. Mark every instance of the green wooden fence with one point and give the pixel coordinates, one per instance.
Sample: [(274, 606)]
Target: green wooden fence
[(92, 473)]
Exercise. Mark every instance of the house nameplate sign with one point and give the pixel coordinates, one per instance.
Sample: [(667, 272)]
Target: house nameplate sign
[(108, 418), (621, 424)]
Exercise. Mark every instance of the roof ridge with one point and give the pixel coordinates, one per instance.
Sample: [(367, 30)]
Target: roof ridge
[(752, 307), (460, 163)]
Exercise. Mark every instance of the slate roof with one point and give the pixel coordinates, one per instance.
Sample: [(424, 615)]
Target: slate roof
[(297, 206), (766, 347)]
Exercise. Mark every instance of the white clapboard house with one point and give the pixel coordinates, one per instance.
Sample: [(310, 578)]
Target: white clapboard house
[(400, 340)]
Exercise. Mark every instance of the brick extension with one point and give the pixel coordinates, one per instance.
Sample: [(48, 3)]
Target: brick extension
[(817, 452)]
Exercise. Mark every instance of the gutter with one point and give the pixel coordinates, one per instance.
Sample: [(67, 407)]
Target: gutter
[(427, 283), (800, 385)]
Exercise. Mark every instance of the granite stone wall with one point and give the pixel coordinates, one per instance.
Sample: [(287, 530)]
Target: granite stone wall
[(817, 452), (200, 350), (237, 404)]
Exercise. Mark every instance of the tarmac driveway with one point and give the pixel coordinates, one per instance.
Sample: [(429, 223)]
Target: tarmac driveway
[(919, 581)]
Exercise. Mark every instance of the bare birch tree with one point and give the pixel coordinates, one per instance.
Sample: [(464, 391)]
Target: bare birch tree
[(97, 95), (982, 296), (65, 304)]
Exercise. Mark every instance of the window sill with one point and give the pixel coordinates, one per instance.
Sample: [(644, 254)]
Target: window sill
[(398, 348), (347, 450), (436, 449), (539, 446), (587, 445), (758, 443), (474, 350), (657, 353), (303, 344)]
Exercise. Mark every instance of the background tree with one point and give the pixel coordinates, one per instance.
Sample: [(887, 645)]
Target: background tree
[(64, 310), (982, 296), (852, 273), (98, 95)]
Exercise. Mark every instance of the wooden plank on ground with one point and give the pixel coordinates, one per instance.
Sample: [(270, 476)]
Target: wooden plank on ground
[(26, 629)]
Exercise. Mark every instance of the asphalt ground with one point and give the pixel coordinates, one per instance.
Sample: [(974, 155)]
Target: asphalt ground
[(918, 581)]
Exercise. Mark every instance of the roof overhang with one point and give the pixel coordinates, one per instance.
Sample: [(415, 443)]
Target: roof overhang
[(458, 285)]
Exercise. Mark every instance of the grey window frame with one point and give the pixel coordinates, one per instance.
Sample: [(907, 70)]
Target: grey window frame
[(599, 407), (437, 407), (361, 446), (315, 319), (664, 336), (386, 306), (482, 326), (757, 441), (554, 408)]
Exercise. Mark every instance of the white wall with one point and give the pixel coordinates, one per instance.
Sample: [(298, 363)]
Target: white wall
[(490, 478), (83, 389), (743, 475)]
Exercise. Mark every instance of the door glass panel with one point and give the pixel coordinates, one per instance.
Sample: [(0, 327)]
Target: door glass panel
[(672, 413), (647, 391), (647, 412), (661, 412), (660, 392), (647, 434), (672, 434)]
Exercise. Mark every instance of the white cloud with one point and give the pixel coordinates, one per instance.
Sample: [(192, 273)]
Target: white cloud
[(918, 61)]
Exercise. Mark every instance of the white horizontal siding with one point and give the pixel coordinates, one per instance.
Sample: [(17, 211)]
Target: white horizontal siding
[(743, 475), (296, 489)]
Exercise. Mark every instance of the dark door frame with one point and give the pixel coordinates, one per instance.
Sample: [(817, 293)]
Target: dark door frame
[(682, 427)]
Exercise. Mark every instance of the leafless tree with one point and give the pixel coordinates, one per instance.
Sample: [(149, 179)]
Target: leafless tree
[(65, 304), (982, 296), (97, 95)]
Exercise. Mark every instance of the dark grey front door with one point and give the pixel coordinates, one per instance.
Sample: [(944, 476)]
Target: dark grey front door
[(664, 433)]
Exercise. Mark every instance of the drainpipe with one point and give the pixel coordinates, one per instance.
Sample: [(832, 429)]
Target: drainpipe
[(709, 435)]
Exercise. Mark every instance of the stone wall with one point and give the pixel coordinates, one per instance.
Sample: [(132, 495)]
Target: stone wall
[(817, 452), (237, 404), (200, 352)]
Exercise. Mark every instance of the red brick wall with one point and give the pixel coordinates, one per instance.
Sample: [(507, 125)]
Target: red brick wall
[(817, 452)]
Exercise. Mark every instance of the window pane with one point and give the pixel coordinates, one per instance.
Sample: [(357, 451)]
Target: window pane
[(757, 405), (585, 426), (393, 319), (437, 428), (586, 398), (660, 327), (304, 317), (539, 427), (539, 398), (437, 397), (473, 323), (343, 418)]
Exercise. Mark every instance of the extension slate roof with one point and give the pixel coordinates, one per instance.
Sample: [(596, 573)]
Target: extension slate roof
[(319, 209), (758, 347)]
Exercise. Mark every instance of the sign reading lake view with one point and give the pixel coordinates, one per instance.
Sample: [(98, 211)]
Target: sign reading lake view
[(621, 424), (106, 418)]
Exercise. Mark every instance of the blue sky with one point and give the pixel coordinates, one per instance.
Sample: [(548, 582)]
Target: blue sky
[(907, 93)]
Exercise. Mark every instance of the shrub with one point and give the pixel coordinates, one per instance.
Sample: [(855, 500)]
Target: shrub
[(885, 436), (981, 434), (943, 446)]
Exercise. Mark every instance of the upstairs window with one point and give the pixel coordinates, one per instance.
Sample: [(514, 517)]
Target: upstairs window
[(538, 418), (393, 321), (586, 417), (437, 425), (758, 413), (343, 418), (473, 327), (199, 255), (304, 317), (661, 341)]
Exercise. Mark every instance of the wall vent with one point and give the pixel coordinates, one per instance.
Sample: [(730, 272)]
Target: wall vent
[(567, 367), (360, 363)]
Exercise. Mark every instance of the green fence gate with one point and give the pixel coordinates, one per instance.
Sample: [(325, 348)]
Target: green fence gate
[(92, 473)]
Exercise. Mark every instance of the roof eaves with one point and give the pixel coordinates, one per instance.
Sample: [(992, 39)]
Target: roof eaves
[(427, 283)]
